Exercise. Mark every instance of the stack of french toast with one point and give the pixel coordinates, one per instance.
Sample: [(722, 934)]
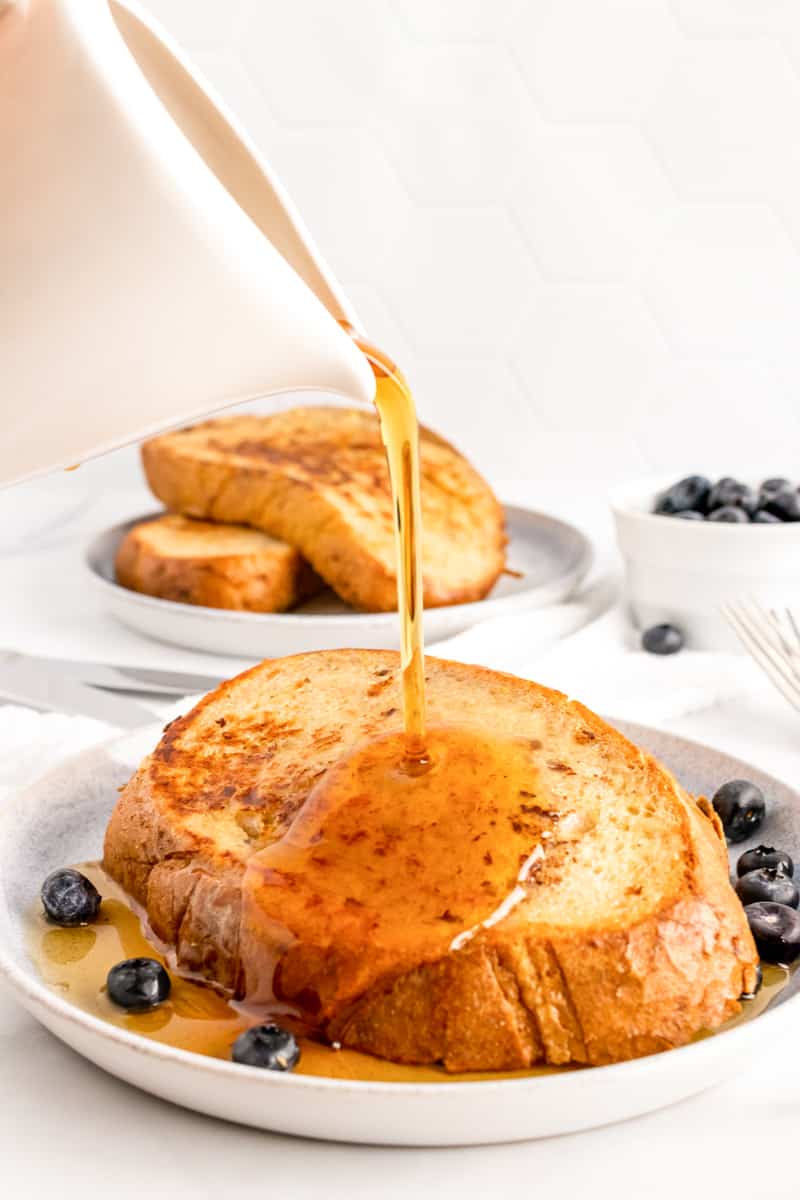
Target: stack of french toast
[(263, 512)]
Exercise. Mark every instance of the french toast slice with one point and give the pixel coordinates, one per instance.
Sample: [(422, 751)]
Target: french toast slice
[(626, 939), (317, 478), (218, 566)]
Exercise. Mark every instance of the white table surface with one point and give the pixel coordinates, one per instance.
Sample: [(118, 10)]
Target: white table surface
[(65, 1125)]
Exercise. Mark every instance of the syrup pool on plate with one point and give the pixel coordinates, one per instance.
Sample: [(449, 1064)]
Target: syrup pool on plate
[(75, 963)]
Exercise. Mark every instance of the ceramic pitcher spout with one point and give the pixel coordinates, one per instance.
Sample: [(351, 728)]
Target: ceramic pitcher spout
[(152, 270)]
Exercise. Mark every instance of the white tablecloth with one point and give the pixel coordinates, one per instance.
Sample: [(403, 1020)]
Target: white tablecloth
[(64, 1122)]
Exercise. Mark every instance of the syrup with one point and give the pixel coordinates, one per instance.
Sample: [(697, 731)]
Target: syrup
[(412, 842), (400, 433), (387, 867), (75, 963)]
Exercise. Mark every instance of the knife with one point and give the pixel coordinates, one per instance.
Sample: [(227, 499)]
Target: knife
[(24, 681), (119, 678)]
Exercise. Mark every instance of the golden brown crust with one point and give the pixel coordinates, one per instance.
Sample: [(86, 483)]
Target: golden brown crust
[(317, 479), (217, 566), (610, 955)]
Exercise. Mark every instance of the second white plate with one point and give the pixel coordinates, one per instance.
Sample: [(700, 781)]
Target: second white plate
[(549, 558)]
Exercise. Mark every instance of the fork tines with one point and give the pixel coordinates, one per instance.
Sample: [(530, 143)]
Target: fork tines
[(772, 638)]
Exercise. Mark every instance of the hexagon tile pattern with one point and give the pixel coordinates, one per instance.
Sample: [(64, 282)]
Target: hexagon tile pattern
[(575, 222)]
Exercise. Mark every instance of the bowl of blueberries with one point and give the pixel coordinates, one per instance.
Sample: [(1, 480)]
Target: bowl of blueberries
[(693, 544)]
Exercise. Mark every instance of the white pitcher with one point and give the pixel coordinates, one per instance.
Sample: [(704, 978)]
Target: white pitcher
[(152, 270)]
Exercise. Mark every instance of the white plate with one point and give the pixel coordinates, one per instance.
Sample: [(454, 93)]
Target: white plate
[(61, 820), (552, 556)]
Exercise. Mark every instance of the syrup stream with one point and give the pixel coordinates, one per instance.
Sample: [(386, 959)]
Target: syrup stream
[(400, 433)]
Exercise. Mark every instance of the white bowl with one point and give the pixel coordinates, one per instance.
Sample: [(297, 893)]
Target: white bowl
[(682, 571)]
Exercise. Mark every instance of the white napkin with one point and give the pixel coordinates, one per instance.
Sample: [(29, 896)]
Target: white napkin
[(590, 653), (31, 743)]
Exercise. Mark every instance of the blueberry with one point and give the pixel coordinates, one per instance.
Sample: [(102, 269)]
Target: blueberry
[(138, 984), (764, 856), (776, 484), (730, 493), (689, 514), (729, 513), (69, 898), (762, 517), (756, 986), (740, 807), (776, 931), (662, 639), (768, 883), (691, 492), (785, 505), (266, 1046)]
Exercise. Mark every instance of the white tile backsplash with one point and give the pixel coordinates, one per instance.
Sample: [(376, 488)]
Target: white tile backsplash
[(591, 201), (723, 122), (594, 60), (576, 223), (725, 281)]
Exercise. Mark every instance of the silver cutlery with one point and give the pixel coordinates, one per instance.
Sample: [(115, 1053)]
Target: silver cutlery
[(772, 639), (117, 677), (25, 681)]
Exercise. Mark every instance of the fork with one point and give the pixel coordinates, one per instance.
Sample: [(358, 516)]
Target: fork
[(772, 638)]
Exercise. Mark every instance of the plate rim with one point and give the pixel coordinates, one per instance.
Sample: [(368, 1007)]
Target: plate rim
[(584, 558), (39, 994)]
